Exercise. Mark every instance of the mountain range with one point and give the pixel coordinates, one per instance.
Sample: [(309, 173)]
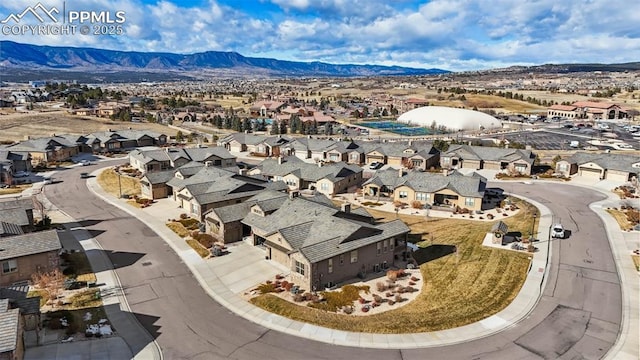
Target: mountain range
[(35, 57)]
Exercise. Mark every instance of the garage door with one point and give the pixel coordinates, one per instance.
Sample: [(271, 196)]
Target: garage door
[(617, 177), (590, 173)]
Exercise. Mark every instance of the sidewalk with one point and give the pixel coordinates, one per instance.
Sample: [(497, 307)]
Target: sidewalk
[(211, 279), (137, 344)]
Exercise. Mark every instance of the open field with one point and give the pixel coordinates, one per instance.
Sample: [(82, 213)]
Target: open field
[(14, 127), (457, 290)]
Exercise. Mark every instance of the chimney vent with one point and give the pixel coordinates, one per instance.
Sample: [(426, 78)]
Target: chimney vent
[(279, 160), (400, 173)]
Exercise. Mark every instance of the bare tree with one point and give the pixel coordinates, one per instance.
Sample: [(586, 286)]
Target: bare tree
[(52, 282)]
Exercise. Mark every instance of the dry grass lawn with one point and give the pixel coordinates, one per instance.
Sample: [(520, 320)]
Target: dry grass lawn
[(15, 189), (456, 291), (201, 250), (16, 126), (108, 180), (178, 228), (621, 219)]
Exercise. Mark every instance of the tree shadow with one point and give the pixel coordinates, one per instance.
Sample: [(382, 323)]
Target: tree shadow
[(432, 252), (136, 337)]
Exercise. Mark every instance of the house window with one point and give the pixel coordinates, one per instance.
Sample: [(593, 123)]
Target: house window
[(469, 201), (330, 266), (445, 160), (422, 196), (378, 248), (403, 194), (9, 266), (324, 186), (354, 256), (563, 167), (194, 209), (385, 245), (299, 268)]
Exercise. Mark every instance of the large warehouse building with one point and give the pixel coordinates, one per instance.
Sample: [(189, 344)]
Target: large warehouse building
[(453, 119)]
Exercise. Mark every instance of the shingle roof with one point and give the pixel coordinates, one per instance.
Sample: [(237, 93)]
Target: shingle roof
[(159, 177), (9, 330), (9, 229), (268, 200), (487, 153), (15, 211), (307, 171), (471, 186), (618, 162), (320, 231), (28, 244)]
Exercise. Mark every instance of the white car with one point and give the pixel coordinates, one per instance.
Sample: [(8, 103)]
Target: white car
[(557, 231), (375, 165), (47, 180), (85, 162)]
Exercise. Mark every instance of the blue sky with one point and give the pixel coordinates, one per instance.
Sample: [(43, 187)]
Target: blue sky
[(456, 35)]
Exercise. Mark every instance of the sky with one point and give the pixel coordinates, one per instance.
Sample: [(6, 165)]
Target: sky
[(456, 35)]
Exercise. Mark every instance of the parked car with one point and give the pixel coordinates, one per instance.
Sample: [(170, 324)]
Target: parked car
[(47, 180), (557, 231), (375, 165), (84, 175), (85, 162)]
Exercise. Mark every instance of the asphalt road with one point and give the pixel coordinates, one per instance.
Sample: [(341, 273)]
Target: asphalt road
[(578, 316)]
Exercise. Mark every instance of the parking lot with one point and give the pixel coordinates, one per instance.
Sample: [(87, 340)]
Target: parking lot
[(561, 138)]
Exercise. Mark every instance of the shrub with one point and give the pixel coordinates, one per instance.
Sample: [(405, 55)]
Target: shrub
[(287, 286), (377, 298), (413, 278), (391, 302), (392, 275), (380, 286), (298, 298), (266, 288), (184, 216), (416, 204), (490, 216), (398, 298)]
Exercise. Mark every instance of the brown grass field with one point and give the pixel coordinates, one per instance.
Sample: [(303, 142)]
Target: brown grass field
[(456, 290), (108, 180), (14, 127)]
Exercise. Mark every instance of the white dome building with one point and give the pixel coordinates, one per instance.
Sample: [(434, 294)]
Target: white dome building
[(453, 119)]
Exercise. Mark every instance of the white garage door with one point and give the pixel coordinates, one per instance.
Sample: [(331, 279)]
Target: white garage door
[(590, 173), (617, 177)]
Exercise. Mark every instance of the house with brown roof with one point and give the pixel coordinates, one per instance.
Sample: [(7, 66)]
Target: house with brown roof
[(324, 245), (589, 110)]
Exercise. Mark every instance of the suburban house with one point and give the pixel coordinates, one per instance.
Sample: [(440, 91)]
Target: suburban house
[(589, 110), (266, 108), (349, 152), (12, 162), (46, 149), (259, 145), (447, 191), (16, 216), (324, 245), (213, 187), (615, 167), (11, 332), (225, 223), (119, 140), (326, 178), (26, 254), (169, 158), (308, 148), (419, 156), (483, 157)]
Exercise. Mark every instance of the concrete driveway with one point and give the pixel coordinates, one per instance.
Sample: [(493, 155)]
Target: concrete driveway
[(113, 348)]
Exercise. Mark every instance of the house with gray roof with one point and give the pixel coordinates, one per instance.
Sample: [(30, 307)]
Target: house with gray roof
[(324, 245), (26, 254), (16, 213), (225, 223), (11, 332), (119, 140), (170, 158), (46, 149), (259, 145), (412, 154), (485, 157), (12, 162), (425, 188), (213, 187), (615, 167), (326, 178)]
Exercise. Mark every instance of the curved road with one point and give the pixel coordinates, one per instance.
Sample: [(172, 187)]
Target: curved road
[(578, 316)]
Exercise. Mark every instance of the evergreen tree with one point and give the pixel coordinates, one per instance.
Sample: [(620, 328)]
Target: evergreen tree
[(283, 127), (179, 136), (275, 127), (246, 125)]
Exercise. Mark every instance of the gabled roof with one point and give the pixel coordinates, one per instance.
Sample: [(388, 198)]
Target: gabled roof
[(307, 171), (487, 153), (15, 211), (159, 177), (470, 186), (268, 200), (29, 244), (8, 229), (618, 162), (42, 144), (320, 231)]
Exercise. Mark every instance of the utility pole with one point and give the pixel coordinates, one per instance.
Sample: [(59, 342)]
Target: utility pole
[(120, 184)]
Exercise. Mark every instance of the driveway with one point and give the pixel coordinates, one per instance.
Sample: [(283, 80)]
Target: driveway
[(113, 348)]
